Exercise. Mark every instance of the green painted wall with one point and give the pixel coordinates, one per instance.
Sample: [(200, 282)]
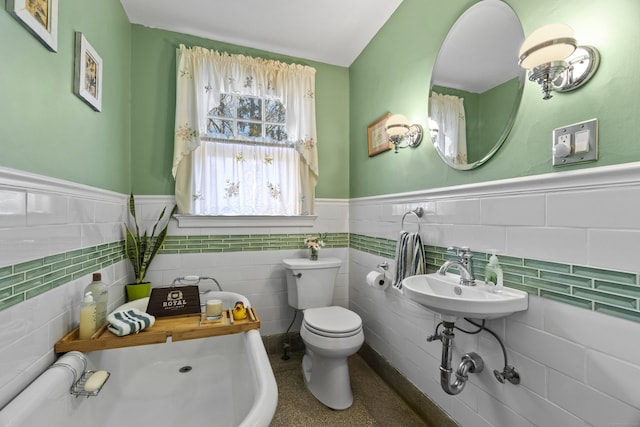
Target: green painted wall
[(153, 109), (495, 108), (46, 128), (394, 71)]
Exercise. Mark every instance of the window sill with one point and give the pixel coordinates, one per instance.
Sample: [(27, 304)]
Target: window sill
[(222, 221)]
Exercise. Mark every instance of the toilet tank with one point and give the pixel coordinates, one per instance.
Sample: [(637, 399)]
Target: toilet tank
[(310, 283)]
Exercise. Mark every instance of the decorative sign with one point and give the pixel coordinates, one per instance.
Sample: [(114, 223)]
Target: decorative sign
[(87, 83), (377, 136), (174, 301), (40, 17)]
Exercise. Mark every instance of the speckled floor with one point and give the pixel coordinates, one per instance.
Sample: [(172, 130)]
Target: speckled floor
[(374, 402)]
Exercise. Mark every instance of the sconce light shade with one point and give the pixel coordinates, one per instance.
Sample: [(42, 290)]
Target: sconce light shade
[(397, 125), (401, 133), (548, 54), (553, 42)]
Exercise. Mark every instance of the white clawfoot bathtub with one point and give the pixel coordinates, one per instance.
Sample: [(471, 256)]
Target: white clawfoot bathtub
[(218, 381)]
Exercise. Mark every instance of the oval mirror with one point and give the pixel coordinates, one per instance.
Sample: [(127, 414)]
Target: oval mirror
[(476, 85)]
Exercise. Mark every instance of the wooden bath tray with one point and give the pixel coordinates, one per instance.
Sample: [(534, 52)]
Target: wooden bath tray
[(179, 328)]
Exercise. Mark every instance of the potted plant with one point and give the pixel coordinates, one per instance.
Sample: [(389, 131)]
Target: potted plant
[(142, 249)]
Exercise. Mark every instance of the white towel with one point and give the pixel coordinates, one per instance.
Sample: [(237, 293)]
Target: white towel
[(409, 257), (125, 322)]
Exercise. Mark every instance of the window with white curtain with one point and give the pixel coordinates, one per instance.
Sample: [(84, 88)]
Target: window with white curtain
[(448, 112), (245, 139)]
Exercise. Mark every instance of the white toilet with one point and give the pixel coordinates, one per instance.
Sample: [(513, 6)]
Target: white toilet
[(330, 333)]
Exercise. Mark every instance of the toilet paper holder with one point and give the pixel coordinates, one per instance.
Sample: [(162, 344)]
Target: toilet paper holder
[(379, 277), (384, 266)]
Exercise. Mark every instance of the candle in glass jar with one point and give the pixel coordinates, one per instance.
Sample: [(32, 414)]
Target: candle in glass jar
[(214, 308)]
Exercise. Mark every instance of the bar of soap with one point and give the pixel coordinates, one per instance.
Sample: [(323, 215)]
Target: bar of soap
[(95, 381)]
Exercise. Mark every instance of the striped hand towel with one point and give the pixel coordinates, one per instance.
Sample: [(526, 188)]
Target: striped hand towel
[(410, 259), (125, 322)]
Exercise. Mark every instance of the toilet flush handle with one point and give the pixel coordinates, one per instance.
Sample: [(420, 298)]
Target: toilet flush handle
[(298, 275)]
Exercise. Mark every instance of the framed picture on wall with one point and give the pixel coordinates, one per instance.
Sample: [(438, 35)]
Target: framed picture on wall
[(40, 17), (88, 79), (377, 136)]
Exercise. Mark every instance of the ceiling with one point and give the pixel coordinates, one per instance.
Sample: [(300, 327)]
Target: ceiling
[(329, 31)]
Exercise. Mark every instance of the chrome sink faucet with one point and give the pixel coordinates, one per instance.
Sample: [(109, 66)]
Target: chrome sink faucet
[(464, 265)]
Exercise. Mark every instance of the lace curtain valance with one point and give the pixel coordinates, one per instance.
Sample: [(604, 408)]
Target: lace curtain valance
[(203, 76)]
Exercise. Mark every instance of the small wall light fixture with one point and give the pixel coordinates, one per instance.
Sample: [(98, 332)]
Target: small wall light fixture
[(401, 133), (555, 61)]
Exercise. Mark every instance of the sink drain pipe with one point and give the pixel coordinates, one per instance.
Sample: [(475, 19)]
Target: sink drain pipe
[(471, 363)]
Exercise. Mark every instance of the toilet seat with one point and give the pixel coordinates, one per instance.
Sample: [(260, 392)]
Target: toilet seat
[(332, 322)]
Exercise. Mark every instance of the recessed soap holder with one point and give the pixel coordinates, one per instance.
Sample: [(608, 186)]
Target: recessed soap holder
[(577, 143)]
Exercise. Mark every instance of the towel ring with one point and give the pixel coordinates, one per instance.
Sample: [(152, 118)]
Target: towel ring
[(418, 212)]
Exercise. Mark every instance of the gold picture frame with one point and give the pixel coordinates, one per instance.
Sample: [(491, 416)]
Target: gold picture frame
[(377, 136), (87, 83), (40, 17)]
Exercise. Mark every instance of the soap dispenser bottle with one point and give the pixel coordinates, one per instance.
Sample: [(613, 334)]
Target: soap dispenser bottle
[(99, 292), (87, 317), (493, 274)]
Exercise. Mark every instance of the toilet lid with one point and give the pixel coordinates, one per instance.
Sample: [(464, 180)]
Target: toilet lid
[(332, 320)]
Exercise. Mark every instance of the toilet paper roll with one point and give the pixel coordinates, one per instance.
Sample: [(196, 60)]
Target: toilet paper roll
[(377, 280)]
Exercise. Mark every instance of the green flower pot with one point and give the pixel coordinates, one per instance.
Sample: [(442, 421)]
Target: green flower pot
[(137, 291)]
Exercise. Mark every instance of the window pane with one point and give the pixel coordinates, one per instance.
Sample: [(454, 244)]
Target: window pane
[(249, 129), (234, 179), (225, 109), (276, 132), (274, 111), (249, 108), (218, 126)]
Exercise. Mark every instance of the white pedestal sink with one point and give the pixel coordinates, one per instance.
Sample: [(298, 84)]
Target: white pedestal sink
[(443, 294)]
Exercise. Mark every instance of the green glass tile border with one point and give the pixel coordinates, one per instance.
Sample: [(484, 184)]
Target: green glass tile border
[(618, 312), (373, 245), (28, 279), (609, 292), (597, 273), (247, 242)]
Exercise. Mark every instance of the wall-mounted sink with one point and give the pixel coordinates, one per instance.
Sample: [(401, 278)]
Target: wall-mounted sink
[(443, 294)]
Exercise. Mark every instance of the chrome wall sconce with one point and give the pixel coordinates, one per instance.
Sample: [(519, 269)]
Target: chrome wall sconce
[(401, 133), (555, 61)]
